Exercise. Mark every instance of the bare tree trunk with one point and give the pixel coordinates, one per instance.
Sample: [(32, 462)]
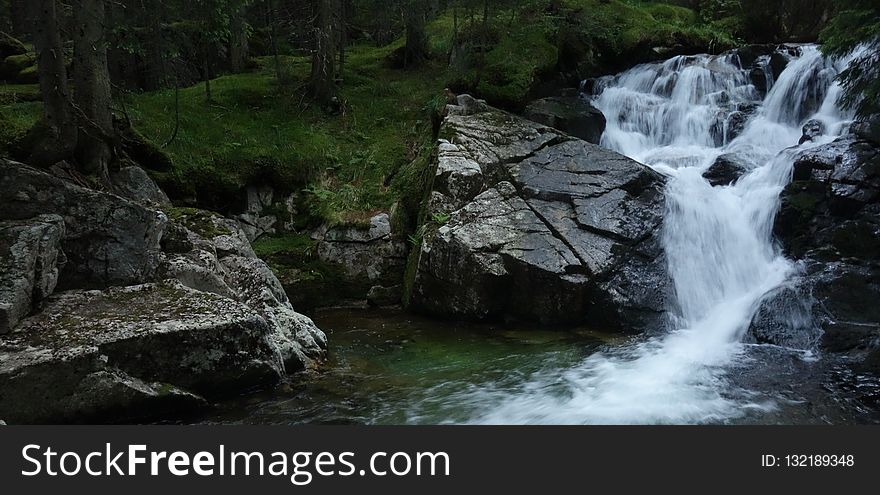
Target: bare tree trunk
[(57, 140), (271, 18), (19, 16), (323, 79), (416, 48), (92, 80), (238, 42)]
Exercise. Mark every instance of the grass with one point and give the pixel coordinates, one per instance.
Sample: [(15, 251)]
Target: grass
[(255, 130), (373, 155)]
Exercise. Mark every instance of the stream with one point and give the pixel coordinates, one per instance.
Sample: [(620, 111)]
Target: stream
[(678, 117)]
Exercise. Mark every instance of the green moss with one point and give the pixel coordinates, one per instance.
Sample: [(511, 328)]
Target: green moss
[(15, 121), (301, 245), (11, 94), (199, 221)]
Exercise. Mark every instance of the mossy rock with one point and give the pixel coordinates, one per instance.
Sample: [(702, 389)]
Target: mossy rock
[(13, 65), (28, 75)]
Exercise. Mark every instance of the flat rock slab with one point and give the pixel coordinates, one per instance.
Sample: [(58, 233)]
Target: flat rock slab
[(85, 342)]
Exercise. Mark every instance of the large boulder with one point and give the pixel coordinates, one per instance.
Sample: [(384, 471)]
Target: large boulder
[(830, 219), (30, 256), (210, 253), (108, 240), (548, 228), (104, 354), (570, 114)]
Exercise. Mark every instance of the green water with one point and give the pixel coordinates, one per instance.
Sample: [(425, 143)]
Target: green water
[(388, 367), (391, 367)]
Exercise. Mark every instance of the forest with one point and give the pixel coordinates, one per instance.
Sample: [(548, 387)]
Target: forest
[(510, 184)]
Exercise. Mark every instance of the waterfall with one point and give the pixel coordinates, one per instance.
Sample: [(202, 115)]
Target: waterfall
[(679, 117)]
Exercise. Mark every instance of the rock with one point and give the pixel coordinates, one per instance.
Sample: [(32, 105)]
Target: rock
[(365, 252), (786, 318), (867, 128), (97, 353), (252, 222), (466, 105), (778, 62), (811, 130), (457, 176), (829, 218), (30, 257), (759, 78), (572, 115), (726, 170), (561, 230), (132, 182), (385, 296), (298, 341), (220, 261), (108, 240), (734, 125)]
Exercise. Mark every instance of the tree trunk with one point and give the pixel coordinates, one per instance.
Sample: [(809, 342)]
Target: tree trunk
[(416, 48), (92, 82), (20, 16), (323, 79), (238, 41), (56, 140), (272, 18)]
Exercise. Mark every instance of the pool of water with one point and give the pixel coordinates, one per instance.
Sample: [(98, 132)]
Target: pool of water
[(388, 367)]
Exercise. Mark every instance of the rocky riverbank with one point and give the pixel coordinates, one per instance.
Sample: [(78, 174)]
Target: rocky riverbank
[(119, 308), (830, 220)]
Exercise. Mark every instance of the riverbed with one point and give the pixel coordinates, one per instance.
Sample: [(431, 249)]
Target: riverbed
[(390, 367)]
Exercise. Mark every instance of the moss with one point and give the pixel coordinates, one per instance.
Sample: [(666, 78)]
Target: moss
[(11, 94), (199, 221), (14, 64)]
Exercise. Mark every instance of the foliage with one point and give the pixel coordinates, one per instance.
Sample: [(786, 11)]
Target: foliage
[(857, 26)]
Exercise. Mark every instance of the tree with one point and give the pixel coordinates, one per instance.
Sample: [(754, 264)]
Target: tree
[(238, 36), (857, 26), (93, 98), (323, 77), (416, 49), (54, 139)]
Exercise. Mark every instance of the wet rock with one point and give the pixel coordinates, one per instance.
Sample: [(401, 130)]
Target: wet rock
[(133, 183), (867, 128), (726, 170), (385, 296), (108, 240), (786, 317), (30, 258), (561, 231), (779, 60), (97, 353), (811, 130), (829, 217), (572, 115), (734, 125)]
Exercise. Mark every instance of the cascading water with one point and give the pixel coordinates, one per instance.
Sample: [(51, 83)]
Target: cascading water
[(679, 117)]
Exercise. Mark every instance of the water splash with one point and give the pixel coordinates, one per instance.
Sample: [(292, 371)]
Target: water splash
[(679, 117)]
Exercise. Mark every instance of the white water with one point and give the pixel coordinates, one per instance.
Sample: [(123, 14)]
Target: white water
[(718, 241)]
